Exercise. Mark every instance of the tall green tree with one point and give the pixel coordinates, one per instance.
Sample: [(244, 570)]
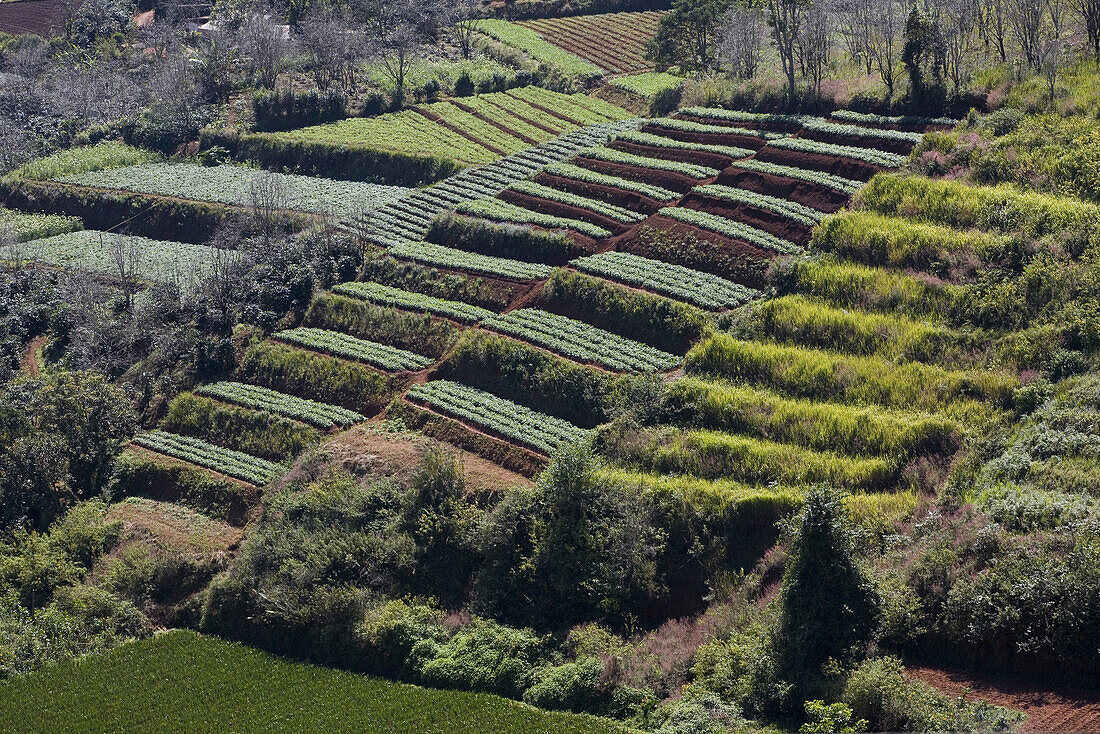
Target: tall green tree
[(688, 35)]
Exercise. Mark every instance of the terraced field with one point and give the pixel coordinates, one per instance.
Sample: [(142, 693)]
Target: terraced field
[(615, 42)]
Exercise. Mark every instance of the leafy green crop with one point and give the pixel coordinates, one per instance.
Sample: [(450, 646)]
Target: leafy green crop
[(342, 345), (289, 406), (234, 464)]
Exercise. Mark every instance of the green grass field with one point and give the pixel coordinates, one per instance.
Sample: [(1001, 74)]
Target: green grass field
[(184, 682)]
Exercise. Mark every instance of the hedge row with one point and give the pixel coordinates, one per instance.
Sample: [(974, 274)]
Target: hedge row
[(503, 240)]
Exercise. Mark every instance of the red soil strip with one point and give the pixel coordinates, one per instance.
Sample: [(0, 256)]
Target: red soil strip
[(681, 155), (901, 147), (456, 129), (733, 259), (809, 194), (665, 179), (40, 17), (780, 127), (498, 125), (29, 364), (1048, 710), (618, 197), (846, 167), (768, 221), (545, 206), (741, 141)]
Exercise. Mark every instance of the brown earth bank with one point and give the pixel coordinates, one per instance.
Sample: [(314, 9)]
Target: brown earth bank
[(670, 180), (901, 147), (29, 364), (701, 250), (41, 17), (696, 157), (741, 141), (768, 221), (618, 197), (808, 194), (779, 127), (846, 167), (1047, 709), (557, 209)]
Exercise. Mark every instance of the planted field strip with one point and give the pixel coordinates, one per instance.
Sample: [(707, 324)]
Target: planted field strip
[(783, 207), (542, 432), (730, 228), (909, 120), (663, 143), (532, 130), (585, 175), (502, 211), (409, 301), (25, 227), (342, 345), (690, 126), (578, 107), (617, 213), (472, 126), (581, 341), (721, 493), (533, 44), (629, 159), (871, 134), (155, 260), (615, 42), (317, 414), (647, 84), (865, 155), (429, 253), (234, 464), (755, 118), (813, 424), (410, 218), (700, 289), (837, 183), (233, 185)]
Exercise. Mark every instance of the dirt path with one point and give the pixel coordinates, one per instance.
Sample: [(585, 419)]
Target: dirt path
[(1048, 710), (29, 364)]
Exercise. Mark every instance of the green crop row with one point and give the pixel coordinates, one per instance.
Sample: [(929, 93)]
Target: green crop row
[(582, 108), (717, 455), (416, 332), (832, 128), (584, 175), (659, 141), (874, 239), (813, 424), (261, 398), (760, 118), (658, 164), (387, 296), (540, 431), (85, 159), (582, 341), (536, 47), (647, 84), (226, 461), (501, 211), (850, 116), (234, 185), (690, 126), (24, 226), (516, 110), (617, 213), (342, 345), (448, 257), (837, 183), (730, 228), (695, 287), (866, 155), (481, 130), (784, 207), (822, 375)]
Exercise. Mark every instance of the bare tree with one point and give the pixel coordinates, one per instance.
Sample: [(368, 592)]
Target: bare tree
[(265, 44), (333, 46), (128, 259), (1052, 53), (465, 17), (886, 33), (785, 18), (855, 20), (268, 202), (397, 37), (743, 36), (1025, 20), (1089, 10), (813, 43), (958, 24)]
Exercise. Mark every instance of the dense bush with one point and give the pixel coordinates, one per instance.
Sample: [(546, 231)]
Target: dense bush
[(142, 475), (254, 432), (419, 333), (285, 109), (503, 240)]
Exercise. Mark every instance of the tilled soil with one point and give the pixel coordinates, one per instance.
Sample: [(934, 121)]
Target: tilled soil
[(768, 221), (557, 209), (846, 167), (809, 194)]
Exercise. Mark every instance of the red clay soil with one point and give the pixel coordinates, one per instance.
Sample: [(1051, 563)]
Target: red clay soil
[(699, 158), (557, 209), (770, 222), (665, 179), (846, 167), (40, 17), (741, 141), (710, 252), (808, 194), (29, 364), (618, 197), (779, 127), (901, 147), (1048, 710)]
